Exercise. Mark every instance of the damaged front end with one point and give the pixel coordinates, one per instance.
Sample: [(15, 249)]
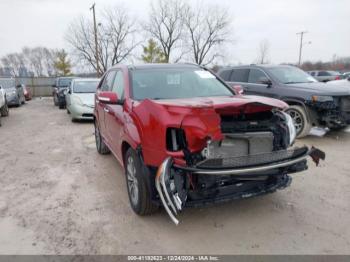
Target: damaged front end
[(251, 157)]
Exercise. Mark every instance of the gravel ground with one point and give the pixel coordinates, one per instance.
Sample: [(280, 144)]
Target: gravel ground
[(59, 196)]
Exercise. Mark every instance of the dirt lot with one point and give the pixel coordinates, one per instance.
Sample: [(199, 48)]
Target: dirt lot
[(58, 196)]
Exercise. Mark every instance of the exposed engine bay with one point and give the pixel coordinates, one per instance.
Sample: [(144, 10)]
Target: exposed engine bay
[(251, 159)]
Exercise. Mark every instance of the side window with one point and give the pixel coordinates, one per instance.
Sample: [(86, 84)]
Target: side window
[(108, 81), (118, 85), (225, 74), (255, 75), (323, 73), (239, 75)]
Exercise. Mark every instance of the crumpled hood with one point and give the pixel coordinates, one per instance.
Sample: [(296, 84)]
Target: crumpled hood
[(223, 102), (319, 88)]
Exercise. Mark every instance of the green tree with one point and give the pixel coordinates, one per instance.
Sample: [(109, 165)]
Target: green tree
[(152, 53), (62, 64)]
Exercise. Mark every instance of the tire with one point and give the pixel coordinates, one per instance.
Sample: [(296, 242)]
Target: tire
[(137, 184), (60, 106), (55, 100), (100, 145), (300, 120), (5, 110)]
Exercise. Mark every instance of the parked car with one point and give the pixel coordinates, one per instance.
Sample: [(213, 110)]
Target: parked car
[(346, 75), (185, 138), (27, 92), (4, 110), (325, 76), (311, 103), (80, 98), (14, 94), (343, 82), (58, 92)]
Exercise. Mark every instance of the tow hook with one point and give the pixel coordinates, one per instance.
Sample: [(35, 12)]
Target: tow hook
[(167, 190)]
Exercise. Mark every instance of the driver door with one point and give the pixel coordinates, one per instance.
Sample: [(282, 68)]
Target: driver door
[(114, 115)]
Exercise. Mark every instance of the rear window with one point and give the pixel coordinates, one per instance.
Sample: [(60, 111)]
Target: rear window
[(239, 75), (324, 73)]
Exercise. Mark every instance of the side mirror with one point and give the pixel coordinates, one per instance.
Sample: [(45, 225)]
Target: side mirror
[(265, 81), (108, 97), (54, 85), (238, 89)]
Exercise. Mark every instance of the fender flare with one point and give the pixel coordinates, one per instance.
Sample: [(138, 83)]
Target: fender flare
[(294, 101)]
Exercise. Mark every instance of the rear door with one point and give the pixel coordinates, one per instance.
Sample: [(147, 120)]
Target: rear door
[(101, 107), (114, 115)]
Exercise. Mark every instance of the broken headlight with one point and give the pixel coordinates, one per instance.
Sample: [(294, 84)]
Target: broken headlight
[(291, 128)]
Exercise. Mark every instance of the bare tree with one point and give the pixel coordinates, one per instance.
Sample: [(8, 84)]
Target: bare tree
[(116, 38), (121, 31), (207, 28), (165, 25), (263, 52), (14, 62)]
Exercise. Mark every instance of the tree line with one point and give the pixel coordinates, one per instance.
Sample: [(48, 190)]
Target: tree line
[(37, 61)]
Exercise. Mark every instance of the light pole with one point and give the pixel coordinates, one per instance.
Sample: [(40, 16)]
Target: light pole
[(302, 44), (96, 44)]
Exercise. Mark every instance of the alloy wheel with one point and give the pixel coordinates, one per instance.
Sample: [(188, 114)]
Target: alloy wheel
[(132, 180), (298, 120)]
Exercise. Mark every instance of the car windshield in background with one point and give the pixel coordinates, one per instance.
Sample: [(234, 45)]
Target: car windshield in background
[(176, 83), (64, 82), (291, 75), (85, 87)]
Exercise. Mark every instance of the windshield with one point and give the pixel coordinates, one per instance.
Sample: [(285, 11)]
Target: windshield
[(291, 75), (176, 83), (64, 82), (7, 83), (85, 86)]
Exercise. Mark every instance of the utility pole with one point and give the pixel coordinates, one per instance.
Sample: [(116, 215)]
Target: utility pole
[(96, 43), (301, 44)]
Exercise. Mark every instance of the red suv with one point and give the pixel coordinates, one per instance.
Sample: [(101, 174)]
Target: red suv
[(185, 138)]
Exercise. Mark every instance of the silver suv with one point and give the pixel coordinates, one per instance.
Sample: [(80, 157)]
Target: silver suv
[(4, 110), (325, 76)]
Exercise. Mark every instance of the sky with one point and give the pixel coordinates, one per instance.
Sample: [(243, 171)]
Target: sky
[(44, 22)]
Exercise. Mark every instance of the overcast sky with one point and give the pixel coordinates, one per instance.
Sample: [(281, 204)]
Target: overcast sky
[(44, 22)]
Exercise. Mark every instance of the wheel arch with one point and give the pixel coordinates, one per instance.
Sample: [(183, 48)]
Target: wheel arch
[(297, 102)]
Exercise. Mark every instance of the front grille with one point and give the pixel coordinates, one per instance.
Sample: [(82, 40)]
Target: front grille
[(87, 115), (252, 160)]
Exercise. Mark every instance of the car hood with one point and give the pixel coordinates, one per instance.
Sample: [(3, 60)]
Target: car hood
[(10, 90), (218, 103), (319, 88), (86, 98)]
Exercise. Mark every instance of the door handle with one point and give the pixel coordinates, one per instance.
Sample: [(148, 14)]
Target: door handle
[(106, 109)]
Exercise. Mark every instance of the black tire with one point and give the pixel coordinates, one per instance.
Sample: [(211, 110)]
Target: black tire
[(137, 184), (100, 145), (60, 106), (302, 125), (5, 110), (55, 100)]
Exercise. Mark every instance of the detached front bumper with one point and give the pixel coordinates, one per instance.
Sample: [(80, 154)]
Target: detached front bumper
[(233, 178)]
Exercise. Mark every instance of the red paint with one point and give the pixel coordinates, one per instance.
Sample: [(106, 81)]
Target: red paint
[(145, 123)]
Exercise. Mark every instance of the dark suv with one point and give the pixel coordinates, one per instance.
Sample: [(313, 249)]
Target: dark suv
[(311, 103), (59, 88)]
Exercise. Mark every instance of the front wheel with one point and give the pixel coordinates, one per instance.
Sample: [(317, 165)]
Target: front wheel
[(300, 120), (5, 110), (137, 184)]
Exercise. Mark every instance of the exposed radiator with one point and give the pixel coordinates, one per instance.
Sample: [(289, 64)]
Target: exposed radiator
[(241, 144)]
